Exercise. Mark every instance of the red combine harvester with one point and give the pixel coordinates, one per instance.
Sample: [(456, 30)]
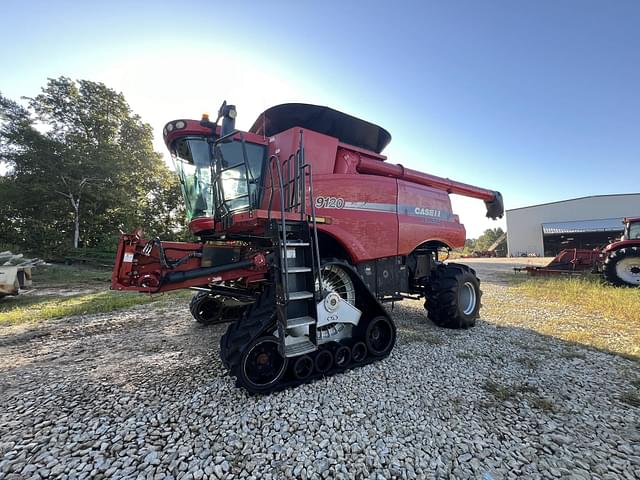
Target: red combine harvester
[(619, 261), (305, 231)]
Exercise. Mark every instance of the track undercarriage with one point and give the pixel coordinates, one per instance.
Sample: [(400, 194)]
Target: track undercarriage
[(250, 347)]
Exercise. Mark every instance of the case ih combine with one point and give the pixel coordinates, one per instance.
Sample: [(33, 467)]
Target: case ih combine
[(305, 231)]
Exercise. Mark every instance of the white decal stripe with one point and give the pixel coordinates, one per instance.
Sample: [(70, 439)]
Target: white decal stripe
[(370, 206), (409, 210)]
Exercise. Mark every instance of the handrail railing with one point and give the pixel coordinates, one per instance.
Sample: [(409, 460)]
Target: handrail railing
[(294, 178)]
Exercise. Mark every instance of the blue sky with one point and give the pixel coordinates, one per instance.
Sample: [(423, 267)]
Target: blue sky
[(537, 99)]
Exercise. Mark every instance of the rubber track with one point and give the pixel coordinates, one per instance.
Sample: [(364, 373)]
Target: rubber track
[(260, 319), (256, 320)]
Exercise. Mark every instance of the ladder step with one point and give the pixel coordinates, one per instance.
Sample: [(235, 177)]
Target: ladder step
[(299, 348), (300, 321), (298, 269), (300, 295)]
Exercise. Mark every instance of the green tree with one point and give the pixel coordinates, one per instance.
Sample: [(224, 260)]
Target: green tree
[(78, 165), (486, 240)]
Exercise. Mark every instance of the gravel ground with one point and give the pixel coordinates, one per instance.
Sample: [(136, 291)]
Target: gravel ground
[(142, 394)]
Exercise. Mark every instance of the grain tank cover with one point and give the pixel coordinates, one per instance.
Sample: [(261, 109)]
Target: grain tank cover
[(325, 120)]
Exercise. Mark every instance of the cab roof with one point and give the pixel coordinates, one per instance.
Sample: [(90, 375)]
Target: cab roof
[(325, 120)]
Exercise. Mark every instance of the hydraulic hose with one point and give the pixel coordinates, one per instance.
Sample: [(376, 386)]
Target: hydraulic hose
[(176, 277)]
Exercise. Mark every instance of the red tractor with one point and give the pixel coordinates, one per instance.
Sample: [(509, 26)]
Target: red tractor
[(305, 231), (621, 264), (618, 262)]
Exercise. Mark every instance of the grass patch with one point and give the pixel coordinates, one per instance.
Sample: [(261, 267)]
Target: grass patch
[(69, 276), (589, 312), (530, 363), (46, 307), (570, 355), (587, 294), (501, 392), (465, 355), (631, 398), (506, 392), (543, 404)]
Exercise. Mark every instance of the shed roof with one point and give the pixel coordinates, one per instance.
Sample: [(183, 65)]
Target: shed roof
[(568, 200), (584, 226)]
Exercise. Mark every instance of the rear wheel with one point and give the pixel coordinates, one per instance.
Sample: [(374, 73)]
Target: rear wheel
[(622, 267), (453, 296)]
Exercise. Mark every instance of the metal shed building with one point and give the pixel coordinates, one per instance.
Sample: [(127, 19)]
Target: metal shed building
[(586, 222)]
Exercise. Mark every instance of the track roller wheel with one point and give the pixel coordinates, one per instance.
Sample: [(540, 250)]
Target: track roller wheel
[(342, 356), (262, 366), (380, 336), (303, 367), (323, 361), (358, 352)]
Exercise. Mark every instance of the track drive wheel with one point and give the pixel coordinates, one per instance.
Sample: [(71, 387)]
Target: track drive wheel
[(261, 365), (622, 267), (453, 296)]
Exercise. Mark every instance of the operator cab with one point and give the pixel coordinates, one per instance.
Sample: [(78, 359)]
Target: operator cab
[(214, 177), (220, 172), (632, 230)]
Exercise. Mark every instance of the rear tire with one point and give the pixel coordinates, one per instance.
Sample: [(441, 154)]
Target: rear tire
[(453, 296), (622, 267)]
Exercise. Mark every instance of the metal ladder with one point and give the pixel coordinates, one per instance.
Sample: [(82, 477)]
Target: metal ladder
[(298, 277)]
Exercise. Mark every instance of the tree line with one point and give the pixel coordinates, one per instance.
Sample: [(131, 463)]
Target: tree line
[(484, 242), (77, 165)]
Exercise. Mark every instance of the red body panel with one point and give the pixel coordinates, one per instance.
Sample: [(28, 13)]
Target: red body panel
[(621, 244), (425, 214), (363, 214)]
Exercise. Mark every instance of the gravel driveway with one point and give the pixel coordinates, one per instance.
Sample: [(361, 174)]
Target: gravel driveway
[(142, 394)]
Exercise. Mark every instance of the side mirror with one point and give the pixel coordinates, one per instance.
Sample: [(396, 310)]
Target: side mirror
[(228, 114)]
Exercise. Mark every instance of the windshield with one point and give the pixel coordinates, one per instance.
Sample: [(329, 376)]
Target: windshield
[(193, 163), (634, 231), (211, 189)]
